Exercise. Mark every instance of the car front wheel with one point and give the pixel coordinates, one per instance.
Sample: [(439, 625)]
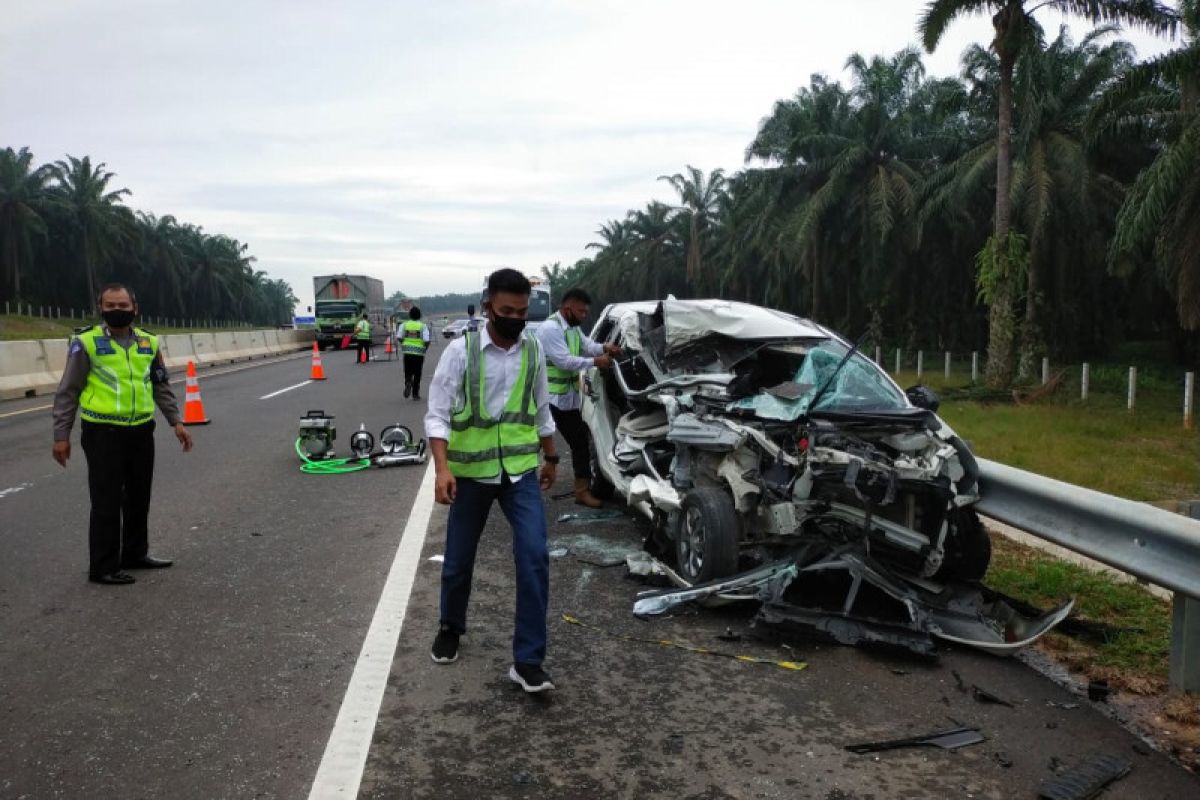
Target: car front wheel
[(706, 540)]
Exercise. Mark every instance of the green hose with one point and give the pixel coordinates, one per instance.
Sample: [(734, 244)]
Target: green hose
[(332, 466)]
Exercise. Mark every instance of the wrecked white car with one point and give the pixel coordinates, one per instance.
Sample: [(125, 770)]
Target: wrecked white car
[(747, 436)]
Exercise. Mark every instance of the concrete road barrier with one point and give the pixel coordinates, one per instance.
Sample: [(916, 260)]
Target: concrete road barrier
[(32, 367)]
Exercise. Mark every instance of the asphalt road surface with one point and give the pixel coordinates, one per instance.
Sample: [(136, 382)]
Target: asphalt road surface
[(223, 676)]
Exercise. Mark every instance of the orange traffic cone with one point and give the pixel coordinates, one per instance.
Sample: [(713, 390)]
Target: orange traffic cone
[(318, 371), (362, 356), (389, 349), (193, 407)]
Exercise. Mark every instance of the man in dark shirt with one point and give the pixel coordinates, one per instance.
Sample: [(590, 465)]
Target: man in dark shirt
[(115, 377)]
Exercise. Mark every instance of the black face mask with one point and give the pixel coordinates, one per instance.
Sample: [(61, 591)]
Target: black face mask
[(117, 318), (509, 328)]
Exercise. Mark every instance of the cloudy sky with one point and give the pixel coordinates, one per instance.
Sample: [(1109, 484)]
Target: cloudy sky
[(421, 141)]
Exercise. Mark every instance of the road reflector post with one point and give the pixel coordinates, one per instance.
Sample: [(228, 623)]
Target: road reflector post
[(1045, 370), (947, 365), (1189, 390), (920, 363), (897, 360), (1083, 382), (974, 366), (1132, 388)]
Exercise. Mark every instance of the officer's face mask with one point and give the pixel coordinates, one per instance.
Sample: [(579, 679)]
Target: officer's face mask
[(508, 327), (117, 317)]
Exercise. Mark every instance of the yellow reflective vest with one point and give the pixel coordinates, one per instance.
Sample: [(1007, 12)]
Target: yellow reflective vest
[(118, 389), (481, 446)]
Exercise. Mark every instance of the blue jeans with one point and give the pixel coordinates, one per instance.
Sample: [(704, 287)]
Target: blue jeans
[(521, 503)]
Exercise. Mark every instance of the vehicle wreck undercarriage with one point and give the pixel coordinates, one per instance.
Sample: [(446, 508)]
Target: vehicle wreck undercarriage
[(778, 464)]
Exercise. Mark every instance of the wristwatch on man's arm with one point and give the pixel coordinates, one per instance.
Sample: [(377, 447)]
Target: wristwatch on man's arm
[(551, 458)]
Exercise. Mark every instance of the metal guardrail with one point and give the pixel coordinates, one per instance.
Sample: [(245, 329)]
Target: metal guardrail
[(1152, 544)]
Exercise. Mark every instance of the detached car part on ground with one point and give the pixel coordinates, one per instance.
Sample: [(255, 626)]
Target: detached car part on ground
[(753, 439)]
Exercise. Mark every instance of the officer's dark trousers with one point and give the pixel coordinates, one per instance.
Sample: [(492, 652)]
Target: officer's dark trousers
[(120, 470), (522, 504), (412, 373), (572, 427)]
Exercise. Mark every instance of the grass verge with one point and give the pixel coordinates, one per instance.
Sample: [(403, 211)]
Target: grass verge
[(1142, 455), (1132, 644)]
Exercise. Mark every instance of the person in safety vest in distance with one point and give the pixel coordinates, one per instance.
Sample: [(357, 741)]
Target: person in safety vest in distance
[(414, 341), (488, 416), (362, 337), (115, 377), (568, 352)]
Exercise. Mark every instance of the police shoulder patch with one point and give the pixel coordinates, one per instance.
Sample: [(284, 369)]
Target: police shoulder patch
[(83, 329)]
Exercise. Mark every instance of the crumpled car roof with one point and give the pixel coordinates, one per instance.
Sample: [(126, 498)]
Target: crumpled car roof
[(685, 321), (688, 320)]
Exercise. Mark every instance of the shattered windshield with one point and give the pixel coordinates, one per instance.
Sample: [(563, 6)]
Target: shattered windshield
[(859, 386)]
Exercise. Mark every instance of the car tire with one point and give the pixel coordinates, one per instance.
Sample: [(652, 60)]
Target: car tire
[(601, 487), (706, 537), (968, 548)]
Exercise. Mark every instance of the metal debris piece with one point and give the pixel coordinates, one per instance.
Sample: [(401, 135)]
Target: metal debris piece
[(984, 696), (1064, 706), (1086, 779), (752, 584), (588, 517), (730, 635), (1098, 691), (558, 552), (946, 740)]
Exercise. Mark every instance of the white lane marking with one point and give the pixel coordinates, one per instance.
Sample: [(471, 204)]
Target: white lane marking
[(341, 768), (25, 411), (14, 489), (288, 389)]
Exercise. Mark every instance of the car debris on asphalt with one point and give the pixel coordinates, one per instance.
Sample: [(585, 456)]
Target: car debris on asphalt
[(1086, 779), (946, 740)]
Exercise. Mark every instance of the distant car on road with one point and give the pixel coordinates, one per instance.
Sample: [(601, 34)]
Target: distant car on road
[(455, 328)]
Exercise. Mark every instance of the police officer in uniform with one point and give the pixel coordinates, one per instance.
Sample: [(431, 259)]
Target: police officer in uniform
[(413, 344), (362, 337), (115, 377), (488, 416)]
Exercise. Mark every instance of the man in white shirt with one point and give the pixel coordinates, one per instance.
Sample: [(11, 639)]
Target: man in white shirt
[(487, 418), (568, 352)]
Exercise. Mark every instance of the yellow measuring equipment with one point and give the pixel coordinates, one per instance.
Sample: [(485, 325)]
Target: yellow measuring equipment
[(795, 666)]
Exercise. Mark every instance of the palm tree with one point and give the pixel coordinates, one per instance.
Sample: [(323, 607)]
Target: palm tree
[(700, 200), (1014, 26), (1159, 102), (22, 192), (162, 262), (656, 239), (99, 224), (855, 158), (1060, 198)]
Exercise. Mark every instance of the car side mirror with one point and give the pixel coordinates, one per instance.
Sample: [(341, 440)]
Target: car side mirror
[(923, 397)]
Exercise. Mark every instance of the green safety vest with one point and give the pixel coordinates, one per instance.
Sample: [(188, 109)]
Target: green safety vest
[(561, 381), (362, 330), (480, 446), (412, 343), (118, 388)]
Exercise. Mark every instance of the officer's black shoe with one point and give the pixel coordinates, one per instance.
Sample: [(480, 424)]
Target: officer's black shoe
[(147, 562), (407, 390), (113, 578)]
